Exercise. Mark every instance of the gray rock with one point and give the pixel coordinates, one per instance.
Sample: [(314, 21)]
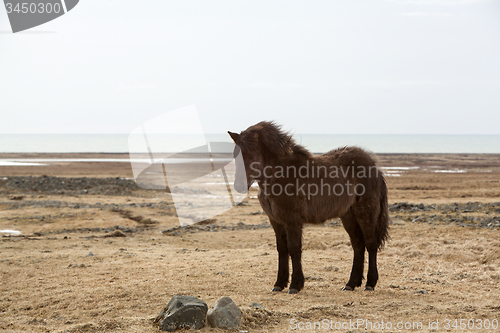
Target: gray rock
[(116, 233), (257, 305), (182, 312), (225, 314), (419, 219), (424, 292)]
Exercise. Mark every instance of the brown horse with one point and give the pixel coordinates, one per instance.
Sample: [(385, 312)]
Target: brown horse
[(296, 187)]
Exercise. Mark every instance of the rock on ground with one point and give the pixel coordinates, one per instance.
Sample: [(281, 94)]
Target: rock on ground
[(182, 312), (257, 305), (225, 314)]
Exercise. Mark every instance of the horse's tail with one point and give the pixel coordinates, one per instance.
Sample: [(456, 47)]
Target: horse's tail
[(382, 228)]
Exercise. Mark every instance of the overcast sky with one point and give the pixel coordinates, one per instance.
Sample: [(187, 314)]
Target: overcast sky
[(388, 67)]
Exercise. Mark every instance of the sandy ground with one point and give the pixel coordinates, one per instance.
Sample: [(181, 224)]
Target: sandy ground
[(61, 275)]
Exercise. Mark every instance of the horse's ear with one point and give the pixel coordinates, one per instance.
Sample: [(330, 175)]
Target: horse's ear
[(234, 136)]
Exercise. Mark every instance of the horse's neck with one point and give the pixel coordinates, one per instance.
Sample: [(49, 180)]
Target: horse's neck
[(272, 164), (292, 159)]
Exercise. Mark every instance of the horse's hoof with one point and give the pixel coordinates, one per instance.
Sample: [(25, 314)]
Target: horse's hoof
[(293, 291), (368, 288), (277, 289), (347, 288)]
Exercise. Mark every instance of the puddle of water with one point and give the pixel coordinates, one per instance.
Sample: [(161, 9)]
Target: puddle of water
[(10, 232)]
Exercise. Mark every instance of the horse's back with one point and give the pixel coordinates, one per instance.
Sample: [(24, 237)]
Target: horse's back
[(349, 155)]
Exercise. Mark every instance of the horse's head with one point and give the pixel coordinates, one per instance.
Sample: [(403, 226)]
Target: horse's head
[(261, 145), (248, 168)]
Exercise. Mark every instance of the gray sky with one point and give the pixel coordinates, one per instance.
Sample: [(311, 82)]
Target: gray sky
[(394, 66)]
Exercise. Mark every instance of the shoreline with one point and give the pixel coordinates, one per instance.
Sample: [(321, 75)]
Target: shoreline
[(15, 154), (381, 143), (119, 163), (413, 178)]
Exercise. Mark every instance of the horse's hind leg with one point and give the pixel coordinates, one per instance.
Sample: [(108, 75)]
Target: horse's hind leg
[(367, 223), (372, 277), (281, 245), (358, 245), (294, 242)]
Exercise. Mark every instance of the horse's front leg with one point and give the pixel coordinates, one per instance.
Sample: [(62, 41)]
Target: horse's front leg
[(294, 241), (281, 245)]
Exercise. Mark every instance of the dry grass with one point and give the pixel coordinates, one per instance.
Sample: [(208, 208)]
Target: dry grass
[(74, 282), (53, 283)]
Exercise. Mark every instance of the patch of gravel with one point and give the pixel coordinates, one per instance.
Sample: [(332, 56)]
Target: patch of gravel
[(177, 231), (470, 214), (162, 205), (69, 185)]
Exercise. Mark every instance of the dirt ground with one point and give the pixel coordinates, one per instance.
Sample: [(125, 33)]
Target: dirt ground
[(70, 271)]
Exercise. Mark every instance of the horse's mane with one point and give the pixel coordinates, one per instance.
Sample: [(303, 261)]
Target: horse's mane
[(270, 135)]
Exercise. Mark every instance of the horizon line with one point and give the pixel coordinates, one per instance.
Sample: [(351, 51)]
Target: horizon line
[(293, 134)]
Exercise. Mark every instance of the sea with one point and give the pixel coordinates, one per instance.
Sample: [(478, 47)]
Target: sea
[(316, 143)]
